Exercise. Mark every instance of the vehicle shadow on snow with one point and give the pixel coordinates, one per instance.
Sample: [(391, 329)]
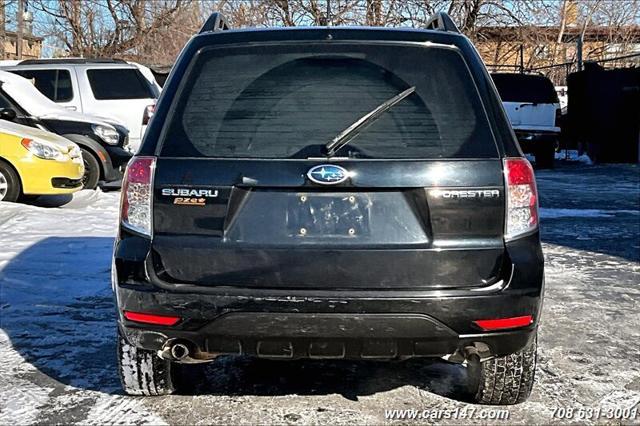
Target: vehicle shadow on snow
[(351, 379), (79, 199), (56, 306), (51, 201)]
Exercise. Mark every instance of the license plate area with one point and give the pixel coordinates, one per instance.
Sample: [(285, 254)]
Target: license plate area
[(329, 215)]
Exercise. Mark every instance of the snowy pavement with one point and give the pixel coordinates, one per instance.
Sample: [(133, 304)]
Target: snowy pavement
[(57, 329)]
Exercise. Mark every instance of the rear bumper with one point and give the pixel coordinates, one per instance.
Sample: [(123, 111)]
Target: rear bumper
[(294, 328), (329, 337), (329, 324)]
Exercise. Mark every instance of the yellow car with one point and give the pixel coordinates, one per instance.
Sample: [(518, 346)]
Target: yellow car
[(36, 162)]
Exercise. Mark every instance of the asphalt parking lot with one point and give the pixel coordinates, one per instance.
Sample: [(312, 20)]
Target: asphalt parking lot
[(57, 334)]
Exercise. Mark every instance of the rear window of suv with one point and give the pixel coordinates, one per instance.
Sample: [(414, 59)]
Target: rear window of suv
[(536, 89), (119, 83), (288, 101)]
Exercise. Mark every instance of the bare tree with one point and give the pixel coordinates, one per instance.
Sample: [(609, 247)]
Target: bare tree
[(154, 31), (106, 28), (2, 28)]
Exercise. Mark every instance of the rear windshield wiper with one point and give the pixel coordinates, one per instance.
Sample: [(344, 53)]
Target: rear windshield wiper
[(348, 134)]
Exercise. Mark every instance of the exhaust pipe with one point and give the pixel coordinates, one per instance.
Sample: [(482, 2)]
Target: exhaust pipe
[(184, 352), (179, 351)]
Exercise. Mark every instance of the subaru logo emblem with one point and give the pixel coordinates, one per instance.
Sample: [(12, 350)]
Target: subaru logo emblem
[(328, 174)]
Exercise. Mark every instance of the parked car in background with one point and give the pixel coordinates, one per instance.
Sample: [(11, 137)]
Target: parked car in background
[(103, 87), (532, 105), (329, 193), (35, 162), (103, 143)]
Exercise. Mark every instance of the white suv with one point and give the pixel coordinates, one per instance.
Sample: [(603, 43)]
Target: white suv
[(532, 105), (111, 89)]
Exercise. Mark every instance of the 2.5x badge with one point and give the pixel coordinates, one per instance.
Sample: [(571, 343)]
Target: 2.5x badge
[(190, 196)]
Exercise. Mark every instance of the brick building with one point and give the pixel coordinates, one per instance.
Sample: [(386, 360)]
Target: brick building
[(31, 46)]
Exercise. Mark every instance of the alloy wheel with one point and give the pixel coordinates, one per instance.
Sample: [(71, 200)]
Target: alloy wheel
[(4, 186)]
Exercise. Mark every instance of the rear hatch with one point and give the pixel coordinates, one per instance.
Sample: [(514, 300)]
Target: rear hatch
[(246, 196), (530, 101)]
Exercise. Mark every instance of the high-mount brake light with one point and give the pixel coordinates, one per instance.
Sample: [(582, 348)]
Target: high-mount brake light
[(136, 201), (522, 198)]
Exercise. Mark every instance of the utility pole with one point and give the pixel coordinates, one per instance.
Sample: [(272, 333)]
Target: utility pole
[(20, 29), (579, 47), (3, 34), (522, 59)]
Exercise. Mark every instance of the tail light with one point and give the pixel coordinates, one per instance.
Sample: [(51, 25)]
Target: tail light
[(148, 113), (137, 195), (522, 198)]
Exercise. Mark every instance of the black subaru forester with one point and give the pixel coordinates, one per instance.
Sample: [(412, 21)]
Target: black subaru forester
[(330, 193)]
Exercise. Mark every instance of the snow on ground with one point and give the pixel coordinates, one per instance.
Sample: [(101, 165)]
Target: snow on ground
[(56, 307), (566, 155), (548, 213), (573, 155), (57, 329)]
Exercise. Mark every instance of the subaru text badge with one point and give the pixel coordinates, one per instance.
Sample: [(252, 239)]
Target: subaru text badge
[(328, 174)]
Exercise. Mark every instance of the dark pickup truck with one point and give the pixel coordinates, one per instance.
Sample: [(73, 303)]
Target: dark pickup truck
[(330, 193)]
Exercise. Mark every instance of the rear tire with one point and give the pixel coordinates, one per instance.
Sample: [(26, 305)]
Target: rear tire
[(10, 187), (143, 372), (91, 170), (504, 380)]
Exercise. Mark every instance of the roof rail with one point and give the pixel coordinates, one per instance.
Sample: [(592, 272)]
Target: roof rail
[(60, 61), (441, 21), (215, 22)]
